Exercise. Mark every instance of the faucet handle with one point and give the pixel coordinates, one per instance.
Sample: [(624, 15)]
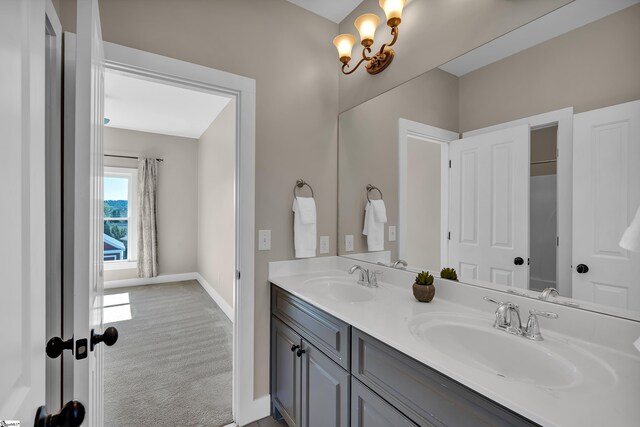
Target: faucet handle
[(548, 314), (373, 278), (495, 301), (532, 330)]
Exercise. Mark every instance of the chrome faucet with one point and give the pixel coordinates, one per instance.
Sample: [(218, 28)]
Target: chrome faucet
[(508, 320), (548, 292), (400, 262), (364, 274), (367, 278), (506, 313)]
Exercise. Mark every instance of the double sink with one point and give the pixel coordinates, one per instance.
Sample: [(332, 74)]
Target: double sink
[(556, 363)]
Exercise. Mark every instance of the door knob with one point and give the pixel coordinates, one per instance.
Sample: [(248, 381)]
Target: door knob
[(56, 346), (582, 268), (71, 415), (518, 261), (295, 347), (300, 352), (109, 337)]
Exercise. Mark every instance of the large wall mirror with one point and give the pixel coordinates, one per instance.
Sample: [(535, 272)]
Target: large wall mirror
[(519, 167)]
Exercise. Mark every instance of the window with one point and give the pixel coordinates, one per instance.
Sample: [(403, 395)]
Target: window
[(120, 214)]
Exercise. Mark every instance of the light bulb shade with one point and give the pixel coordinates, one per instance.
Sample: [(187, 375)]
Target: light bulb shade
[(344, 43), (366, 25), (393, 11)]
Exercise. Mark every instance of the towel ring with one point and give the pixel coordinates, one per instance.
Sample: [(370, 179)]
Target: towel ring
[(373, 187), (299, 184)]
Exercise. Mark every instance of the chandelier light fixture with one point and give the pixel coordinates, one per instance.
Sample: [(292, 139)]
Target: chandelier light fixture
[(366, 25)]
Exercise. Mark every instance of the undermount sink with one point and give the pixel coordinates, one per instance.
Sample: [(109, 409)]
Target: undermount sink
[(339, 289), (550, 364)]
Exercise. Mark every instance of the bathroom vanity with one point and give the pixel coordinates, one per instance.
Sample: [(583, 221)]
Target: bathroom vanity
[(345, 354)]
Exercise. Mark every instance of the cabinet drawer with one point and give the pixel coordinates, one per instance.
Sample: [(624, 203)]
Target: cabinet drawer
[(421, 393), (324, 331), (370, 410)]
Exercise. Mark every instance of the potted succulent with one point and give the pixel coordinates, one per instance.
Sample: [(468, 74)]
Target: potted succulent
[(449, 273), (423, 288)]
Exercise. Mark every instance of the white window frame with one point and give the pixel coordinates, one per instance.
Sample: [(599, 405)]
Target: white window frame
[(132, 216)]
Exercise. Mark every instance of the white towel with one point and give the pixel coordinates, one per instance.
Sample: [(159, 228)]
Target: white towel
[(307, 208), (304, 235), (380, 210), (631, 237), (374, 229)]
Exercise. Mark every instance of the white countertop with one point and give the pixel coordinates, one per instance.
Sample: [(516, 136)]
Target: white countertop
[(387, 317)]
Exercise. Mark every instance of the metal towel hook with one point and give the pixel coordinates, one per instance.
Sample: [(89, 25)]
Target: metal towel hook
[(373, 187), (299, 184)]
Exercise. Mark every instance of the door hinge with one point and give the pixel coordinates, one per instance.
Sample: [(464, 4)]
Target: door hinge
[(238, 274)]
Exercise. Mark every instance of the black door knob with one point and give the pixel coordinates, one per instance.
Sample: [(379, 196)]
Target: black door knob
[(56, 346), (295, 347), (582, 268), (71, 415), (300, 352), (518, 261), (109, 337)]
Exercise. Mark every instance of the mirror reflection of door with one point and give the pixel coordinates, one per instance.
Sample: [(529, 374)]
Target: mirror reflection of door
[(543, 209)]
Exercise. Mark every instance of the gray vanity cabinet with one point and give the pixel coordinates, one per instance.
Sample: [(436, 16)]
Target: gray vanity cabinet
[(370, 410), (286, 372), (309, 386)]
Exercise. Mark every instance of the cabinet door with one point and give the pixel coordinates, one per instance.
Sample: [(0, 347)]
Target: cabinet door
[(370, 410), (325, 390), (285, 371)]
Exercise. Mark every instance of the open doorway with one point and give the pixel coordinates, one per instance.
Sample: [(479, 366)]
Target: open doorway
[(169, 252)]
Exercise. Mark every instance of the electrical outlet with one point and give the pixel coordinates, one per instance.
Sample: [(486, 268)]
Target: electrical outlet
[(324, 244), (264, 240), (348, 243), (392, 233)]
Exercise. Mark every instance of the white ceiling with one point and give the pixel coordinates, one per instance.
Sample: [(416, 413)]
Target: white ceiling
[(148, 106), (333, 10), (553, 24)]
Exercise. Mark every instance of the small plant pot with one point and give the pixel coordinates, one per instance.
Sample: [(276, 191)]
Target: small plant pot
[(424, 293)]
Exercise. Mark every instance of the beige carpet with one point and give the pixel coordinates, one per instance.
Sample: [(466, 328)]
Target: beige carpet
[(171, 365)]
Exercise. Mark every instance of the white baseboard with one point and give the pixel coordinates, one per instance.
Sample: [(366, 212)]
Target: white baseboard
[(222, 303), (165, 278), (260, 408)]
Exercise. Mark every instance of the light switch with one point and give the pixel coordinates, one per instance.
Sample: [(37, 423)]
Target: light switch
[(264, 240), (348, 242), (392, 233), (324, 244)]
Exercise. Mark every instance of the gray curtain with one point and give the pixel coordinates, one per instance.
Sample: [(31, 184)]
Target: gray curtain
[(147, 224)]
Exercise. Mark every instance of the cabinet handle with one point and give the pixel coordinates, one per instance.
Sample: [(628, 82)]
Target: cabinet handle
[(300, 352), (295, 347)]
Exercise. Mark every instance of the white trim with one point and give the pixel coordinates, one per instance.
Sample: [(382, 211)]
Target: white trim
[(216, 297), (564, 119), (246, 409), (406, 129), (120, 265), (163, 278)]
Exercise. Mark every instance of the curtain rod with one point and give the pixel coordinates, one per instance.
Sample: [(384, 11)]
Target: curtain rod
[(128, 157)]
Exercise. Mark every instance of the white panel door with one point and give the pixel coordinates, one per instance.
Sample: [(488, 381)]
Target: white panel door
[(489, 207), (606, 195), (84, 88), (22, 209)]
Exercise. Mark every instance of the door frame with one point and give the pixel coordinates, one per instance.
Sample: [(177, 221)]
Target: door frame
[(411, 129), (184, 74), (562, 118), (53, 168)]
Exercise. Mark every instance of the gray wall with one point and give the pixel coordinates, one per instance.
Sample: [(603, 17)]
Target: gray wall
[(288, 51), (216, 203), (591, 67), (369, 147), (177, 194), (432, 32)]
